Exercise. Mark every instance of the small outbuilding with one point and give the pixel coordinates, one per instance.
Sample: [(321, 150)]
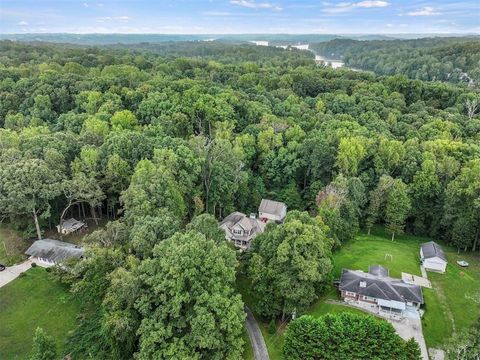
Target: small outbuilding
[(432, 257), (71, 226), (270, 210), (48, 252)]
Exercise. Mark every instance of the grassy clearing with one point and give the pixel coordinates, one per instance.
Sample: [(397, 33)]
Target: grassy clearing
[(449, 306), (30, 301), (11, 247), (458, 287)]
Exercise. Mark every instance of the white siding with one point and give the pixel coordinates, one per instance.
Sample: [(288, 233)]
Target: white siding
[(391, 304), (435, 264)]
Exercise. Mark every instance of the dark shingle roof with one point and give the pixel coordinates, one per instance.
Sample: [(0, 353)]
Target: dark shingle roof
[(54, 250), (431, 249), (378, 270), (380, 287)]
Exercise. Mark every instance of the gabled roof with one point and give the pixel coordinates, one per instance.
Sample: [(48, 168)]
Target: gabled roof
[(378, 270), (431, 249), (380, 287), (252, 225), (54, 250), (72, 224), (272, 207)]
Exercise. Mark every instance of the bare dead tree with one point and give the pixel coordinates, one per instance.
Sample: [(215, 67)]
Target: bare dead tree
[(472, 106)]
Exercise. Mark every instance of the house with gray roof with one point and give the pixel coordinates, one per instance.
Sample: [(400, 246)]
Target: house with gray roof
[(270, 210), (432, 257), (242, 229), (71, 226), (377, 288), (49, 252)]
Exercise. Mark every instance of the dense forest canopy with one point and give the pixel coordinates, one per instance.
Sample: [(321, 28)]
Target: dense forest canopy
[(454, 60), (247, 123), (164, 141)]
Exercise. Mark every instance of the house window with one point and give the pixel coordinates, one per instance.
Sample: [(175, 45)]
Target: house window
[(349, 293), (237, 232), (368, 298)]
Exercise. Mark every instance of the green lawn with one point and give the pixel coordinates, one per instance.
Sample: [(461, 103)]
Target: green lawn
[(448, 306), (11, 247), (29, 301), (455, 289)]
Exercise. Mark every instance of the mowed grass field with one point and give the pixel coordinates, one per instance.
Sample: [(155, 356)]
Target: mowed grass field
[(30, 301), (449, 306)]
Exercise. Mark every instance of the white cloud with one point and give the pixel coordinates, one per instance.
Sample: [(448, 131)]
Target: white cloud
[(348, 6), (371, 4), (22, 23), (252, 4), (85, 5), (425, 11), (102, 19)]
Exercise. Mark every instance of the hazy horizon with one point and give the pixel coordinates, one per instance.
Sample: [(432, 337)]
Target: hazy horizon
[(231, 17)]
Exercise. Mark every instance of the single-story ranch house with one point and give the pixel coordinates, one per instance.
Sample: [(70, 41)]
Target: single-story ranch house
[(48, 252), (432, 257), (377, 288)]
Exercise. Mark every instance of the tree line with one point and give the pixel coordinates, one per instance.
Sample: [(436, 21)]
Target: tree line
[(455, 60)]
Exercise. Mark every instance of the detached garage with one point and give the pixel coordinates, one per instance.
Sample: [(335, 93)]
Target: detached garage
[(433, 258)]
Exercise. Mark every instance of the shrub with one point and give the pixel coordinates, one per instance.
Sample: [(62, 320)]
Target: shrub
[(272, 327), (345, 336), (34, 264)]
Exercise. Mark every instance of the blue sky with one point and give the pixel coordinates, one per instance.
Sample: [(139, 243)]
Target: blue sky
[(240, 16)]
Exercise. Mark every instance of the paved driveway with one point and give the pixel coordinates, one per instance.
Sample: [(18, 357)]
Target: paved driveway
[(12, 272), (408, 328), (256, 338)]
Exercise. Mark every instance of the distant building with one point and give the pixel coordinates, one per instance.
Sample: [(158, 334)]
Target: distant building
[(377, 288), (70, 226), (301, 46), (48, 252), (432, 257), (260, 43), (270, 210), (242, 229)]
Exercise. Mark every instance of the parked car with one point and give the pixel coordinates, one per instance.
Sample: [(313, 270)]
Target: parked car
[(2, 267)]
